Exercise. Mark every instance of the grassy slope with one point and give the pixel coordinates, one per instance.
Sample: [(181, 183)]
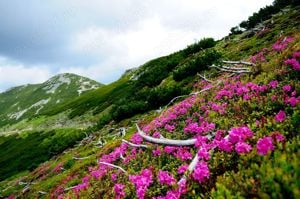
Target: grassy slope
[(232, 176)]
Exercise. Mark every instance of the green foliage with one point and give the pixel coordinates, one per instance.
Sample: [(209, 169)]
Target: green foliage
[(266, 13), (200, 63), (272, 176), (26, 151), (200, 45)]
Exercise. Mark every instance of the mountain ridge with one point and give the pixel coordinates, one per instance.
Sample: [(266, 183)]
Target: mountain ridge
[(30, 100)]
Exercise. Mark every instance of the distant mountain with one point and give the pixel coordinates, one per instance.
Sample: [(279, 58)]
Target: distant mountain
[(33, 99)]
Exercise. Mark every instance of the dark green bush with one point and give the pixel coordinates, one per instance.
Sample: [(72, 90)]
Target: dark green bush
[(201, 63), (200, 45)]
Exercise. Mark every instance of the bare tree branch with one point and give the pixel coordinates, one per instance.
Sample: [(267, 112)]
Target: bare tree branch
[(239, 62), (134, 145), (83, 158), (112, 165), (165, 141), (42, 192), (203, 77)]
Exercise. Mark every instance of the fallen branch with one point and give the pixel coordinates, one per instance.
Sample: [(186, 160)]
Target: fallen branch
[(235, 68), (165, 141), (83, 158), (69, 188), (203, 77), (112, 165), (190, 168), (42, 192), (239, 62), (134, 145), (229, 70)]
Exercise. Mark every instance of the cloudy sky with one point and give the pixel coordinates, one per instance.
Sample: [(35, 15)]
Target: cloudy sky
[(100, 39)]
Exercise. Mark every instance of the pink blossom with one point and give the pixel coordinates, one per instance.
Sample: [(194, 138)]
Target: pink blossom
[(274, 98), (114, 176), (165, 178), (156, 134), (242, 147), (282, 44), (201, 141), (273, 83), (225, 145), (238, 134), (142, 182), (264, 145), (293, 101), (280, 116), (169, 127), (136, 139), (287, 88), (204, 154), (169, 149), (183, 154), (296, 54), (201, 172), (119, 190), (293, 62), (156, 152), (182, 169), (278, 137)]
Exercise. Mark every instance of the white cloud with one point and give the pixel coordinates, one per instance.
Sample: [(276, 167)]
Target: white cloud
[(106, 37), (14, 74), (159, 28)]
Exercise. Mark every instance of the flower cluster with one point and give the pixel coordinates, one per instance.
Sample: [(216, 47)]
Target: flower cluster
[(142, 182), (281, 44), (119, 190), (201, 172), (264, 145), (165, 178)]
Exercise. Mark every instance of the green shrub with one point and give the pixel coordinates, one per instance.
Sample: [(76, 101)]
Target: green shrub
[(200, 63)]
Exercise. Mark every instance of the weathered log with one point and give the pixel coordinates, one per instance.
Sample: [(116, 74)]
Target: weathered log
[(134, 145), (239, 62), (165, 141), (112, 165)]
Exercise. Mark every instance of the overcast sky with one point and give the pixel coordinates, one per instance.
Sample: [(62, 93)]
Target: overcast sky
[(100, 39)]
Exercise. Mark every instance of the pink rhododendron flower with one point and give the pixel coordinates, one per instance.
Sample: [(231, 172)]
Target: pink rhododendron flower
[(282, 44), (273, 83), (239, 134), (242, 147), (156, 152), (278, 137), (204, 154), (296, 54), (136, 139), (165, 178), (287, 88), (293, 101), (201, 141), (156, 134), (264, 145), (169, 127), (119, 190), (293, 62), (201, 172), (169, 149), (182, 169), (142, 182), (183, 153), (225, 145), (280, 116)]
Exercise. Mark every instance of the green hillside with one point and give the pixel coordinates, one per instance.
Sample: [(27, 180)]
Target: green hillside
[(218, 119)]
